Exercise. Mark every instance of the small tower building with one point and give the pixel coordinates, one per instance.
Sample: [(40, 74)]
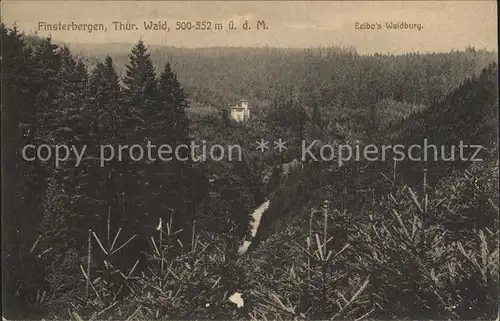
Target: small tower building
[(240, 112)]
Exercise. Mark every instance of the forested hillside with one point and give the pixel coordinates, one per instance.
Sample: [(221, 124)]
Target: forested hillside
[(152, 239), (336, 84), (330, 76)]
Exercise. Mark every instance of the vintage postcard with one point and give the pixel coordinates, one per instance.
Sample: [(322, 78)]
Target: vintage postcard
[(249, 160)]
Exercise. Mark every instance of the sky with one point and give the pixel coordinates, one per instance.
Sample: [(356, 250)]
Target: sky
[(446, 25)]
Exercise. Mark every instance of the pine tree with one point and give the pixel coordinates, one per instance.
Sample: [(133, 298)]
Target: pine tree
[(42, 94), (139, 94), (18, 201), (104, 84), (71, 125), (17, 123), (47, 62), (173, 128), (140, 87), (55, 226), (110, 113), (173, 101), (57, 249)]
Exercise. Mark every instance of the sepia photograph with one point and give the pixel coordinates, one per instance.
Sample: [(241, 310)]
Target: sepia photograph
[(249, 160)]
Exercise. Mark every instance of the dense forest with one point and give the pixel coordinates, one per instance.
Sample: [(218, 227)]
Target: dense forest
[(264, 73), (159, 240)]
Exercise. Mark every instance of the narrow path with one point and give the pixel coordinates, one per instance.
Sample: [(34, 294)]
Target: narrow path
[(256, 217)]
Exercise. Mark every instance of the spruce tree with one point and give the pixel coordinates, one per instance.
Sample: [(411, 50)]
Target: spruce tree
[(17, 123), (18, 207), (173, 101), (139, 96), (104, 84), (104, 93), (140, 85), (71, 125), (42, 92), (179, 180)]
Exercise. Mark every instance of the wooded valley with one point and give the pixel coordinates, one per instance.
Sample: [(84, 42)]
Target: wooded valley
[(159, 240)]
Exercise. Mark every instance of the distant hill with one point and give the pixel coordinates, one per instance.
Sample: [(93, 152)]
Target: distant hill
[(468, 115), (330, 76)]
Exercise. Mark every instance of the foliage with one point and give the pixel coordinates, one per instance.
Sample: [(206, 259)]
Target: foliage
[(157, 240)]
